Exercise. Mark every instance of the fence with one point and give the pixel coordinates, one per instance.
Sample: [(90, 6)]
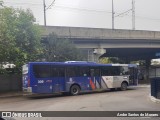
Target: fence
[(154, 71), (155, 87), (10, 83)]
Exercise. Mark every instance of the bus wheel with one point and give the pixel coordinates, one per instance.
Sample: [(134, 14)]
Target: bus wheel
[(74, 90), (123, 86)]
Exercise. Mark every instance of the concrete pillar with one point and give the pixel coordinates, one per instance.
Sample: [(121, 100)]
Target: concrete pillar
[(96, 58), (97, 53), (148, 63), (90, 56)]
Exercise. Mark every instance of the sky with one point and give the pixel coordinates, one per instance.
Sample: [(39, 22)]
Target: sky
[(94, 13)]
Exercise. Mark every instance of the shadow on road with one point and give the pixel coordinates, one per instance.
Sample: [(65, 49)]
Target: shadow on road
[(43, 96)]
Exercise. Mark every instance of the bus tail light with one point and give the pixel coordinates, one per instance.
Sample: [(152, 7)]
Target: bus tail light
[(28, 82)]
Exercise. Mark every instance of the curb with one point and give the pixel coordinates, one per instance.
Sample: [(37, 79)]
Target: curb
[(143, 85), (14, 95), (153, 99)]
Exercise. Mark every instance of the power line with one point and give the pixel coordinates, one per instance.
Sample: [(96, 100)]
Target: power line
[(86, 9), (44, 5), (147, 18), (23, 3), (50, 5), (62, 6), (124, 13), (141, 17)]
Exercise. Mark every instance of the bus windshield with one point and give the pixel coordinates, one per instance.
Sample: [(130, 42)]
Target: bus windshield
[(25, 69)]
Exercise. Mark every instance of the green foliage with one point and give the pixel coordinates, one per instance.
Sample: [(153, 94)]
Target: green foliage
[(140, 62), (20, 41), (60, 50), (106, 60), (19, 36)]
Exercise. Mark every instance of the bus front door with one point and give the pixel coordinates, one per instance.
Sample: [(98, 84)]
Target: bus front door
[(133, 76), (59, 79), (56, 85)]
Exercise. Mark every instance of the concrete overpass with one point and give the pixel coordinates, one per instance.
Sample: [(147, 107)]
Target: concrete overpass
[(133, 44), (106, 38)]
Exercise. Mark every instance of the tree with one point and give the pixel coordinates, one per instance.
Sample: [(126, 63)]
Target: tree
[(106, 60), (56, 49), (19, 36)]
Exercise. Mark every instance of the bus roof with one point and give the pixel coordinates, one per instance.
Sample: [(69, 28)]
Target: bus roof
[(80, 63), (68, 63)]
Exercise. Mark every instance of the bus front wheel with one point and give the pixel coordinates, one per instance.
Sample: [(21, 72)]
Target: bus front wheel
[(124, 86), (75, 90)]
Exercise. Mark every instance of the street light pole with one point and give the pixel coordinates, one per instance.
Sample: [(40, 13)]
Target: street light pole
[(133, 14), (44, 8), (1, 3), (112, 14)]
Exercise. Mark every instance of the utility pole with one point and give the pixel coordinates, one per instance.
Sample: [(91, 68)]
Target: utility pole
[(1, 3), (44, 8), (112, 14), (133, 14)]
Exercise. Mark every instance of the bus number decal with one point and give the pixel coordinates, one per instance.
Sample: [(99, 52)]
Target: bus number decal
[(40, 81)]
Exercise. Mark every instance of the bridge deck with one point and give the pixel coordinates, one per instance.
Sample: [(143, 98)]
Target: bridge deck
[(100, 33)]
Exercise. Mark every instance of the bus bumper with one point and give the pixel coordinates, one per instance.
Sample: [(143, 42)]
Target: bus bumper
[(27, 90)]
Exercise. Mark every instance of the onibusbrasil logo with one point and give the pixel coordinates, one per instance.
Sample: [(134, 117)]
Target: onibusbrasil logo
[(21, 114)]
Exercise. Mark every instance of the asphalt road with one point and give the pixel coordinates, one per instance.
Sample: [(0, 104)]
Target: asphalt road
[(134, 99)]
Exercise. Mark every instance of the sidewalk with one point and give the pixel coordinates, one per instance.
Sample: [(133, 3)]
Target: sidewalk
[(11, 94), (143, 85), (154, 99)]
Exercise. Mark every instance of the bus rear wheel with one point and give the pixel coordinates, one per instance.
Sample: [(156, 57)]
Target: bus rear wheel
[(75, 90), (124, 86)]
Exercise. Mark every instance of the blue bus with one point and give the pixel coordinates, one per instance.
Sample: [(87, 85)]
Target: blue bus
[(75, 77)]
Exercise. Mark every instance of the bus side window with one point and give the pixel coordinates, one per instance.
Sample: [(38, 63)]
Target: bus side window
[(54, 72), (42, 71), (104, 71), (124, 70), (83, 71), (57, 72), (111, 71), (71, 72), (94, 72), (61, 72)]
